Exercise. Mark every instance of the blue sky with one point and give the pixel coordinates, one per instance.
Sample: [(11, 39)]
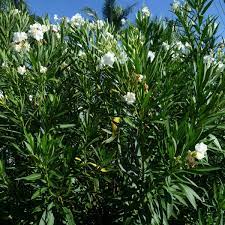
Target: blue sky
[(68, 8)]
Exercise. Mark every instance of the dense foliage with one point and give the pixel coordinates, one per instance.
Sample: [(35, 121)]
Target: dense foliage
[(104, 127)]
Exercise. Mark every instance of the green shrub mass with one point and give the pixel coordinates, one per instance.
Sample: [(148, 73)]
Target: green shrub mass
[(100, 126)]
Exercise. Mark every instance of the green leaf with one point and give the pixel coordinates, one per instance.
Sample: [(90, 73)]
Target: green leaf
[(38, 193), (190, 194), (206, 7), (65, 126), (1, 168), (204, 170), (29, 148), (43, 218), (109, 140), (32, 177), (180, 199), (50, 218), (47, 218), (129, 122), (69, 216)]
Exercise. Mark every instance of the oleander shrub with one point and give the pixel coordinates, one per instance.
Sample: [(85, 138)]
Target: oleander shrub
[(100, 126)]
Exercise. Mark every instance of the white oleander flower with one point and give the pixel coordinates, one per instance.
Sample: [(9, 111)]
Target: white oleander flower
[(174, 54), (35, 26), (108, 59), (130, 98), (201, 147), (15, 11), (4, 65), (123, 57), (21, 70), (123, 21), (187, 7), (220, 66), (58, 35), (36, 31), (1, 95), (145, 11), (22, 46), (38, 35), (30, 98), (92, 25), (108, 36), (139, 77), (187, 48), (56, 17), (151, 55), (199, 155), (200, 150), (187, 45), (184, 48), (176, 5), (81, 53), (26, 46), (100, 24), (65, 66), (19, 37), (55, 28), (80, 45), (67, 19), (43, 69), (77, 20), (166, 46), (17, 47), (208, 60), (45, 28), (180, 46)]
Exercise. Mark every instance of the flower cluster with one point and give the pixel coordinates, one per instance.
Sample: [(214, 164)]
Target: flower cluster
[(139, 77), (145, 11), (165, 46), (151, 55), (98, 24), (176, 5), (43, 69), (107, 60), (220, 66), (77, 20), (56, 29), (21, 70), (210, 61), (200, 151), (15, 11), (123, 21), (20, 42), (130, 98), (37, 31), (183, 48), (56, 18), (19, 37)]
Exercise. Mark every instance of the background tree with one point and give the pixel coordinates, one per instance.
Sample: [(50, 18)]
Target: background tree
[(19, 4), (111, 12)]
